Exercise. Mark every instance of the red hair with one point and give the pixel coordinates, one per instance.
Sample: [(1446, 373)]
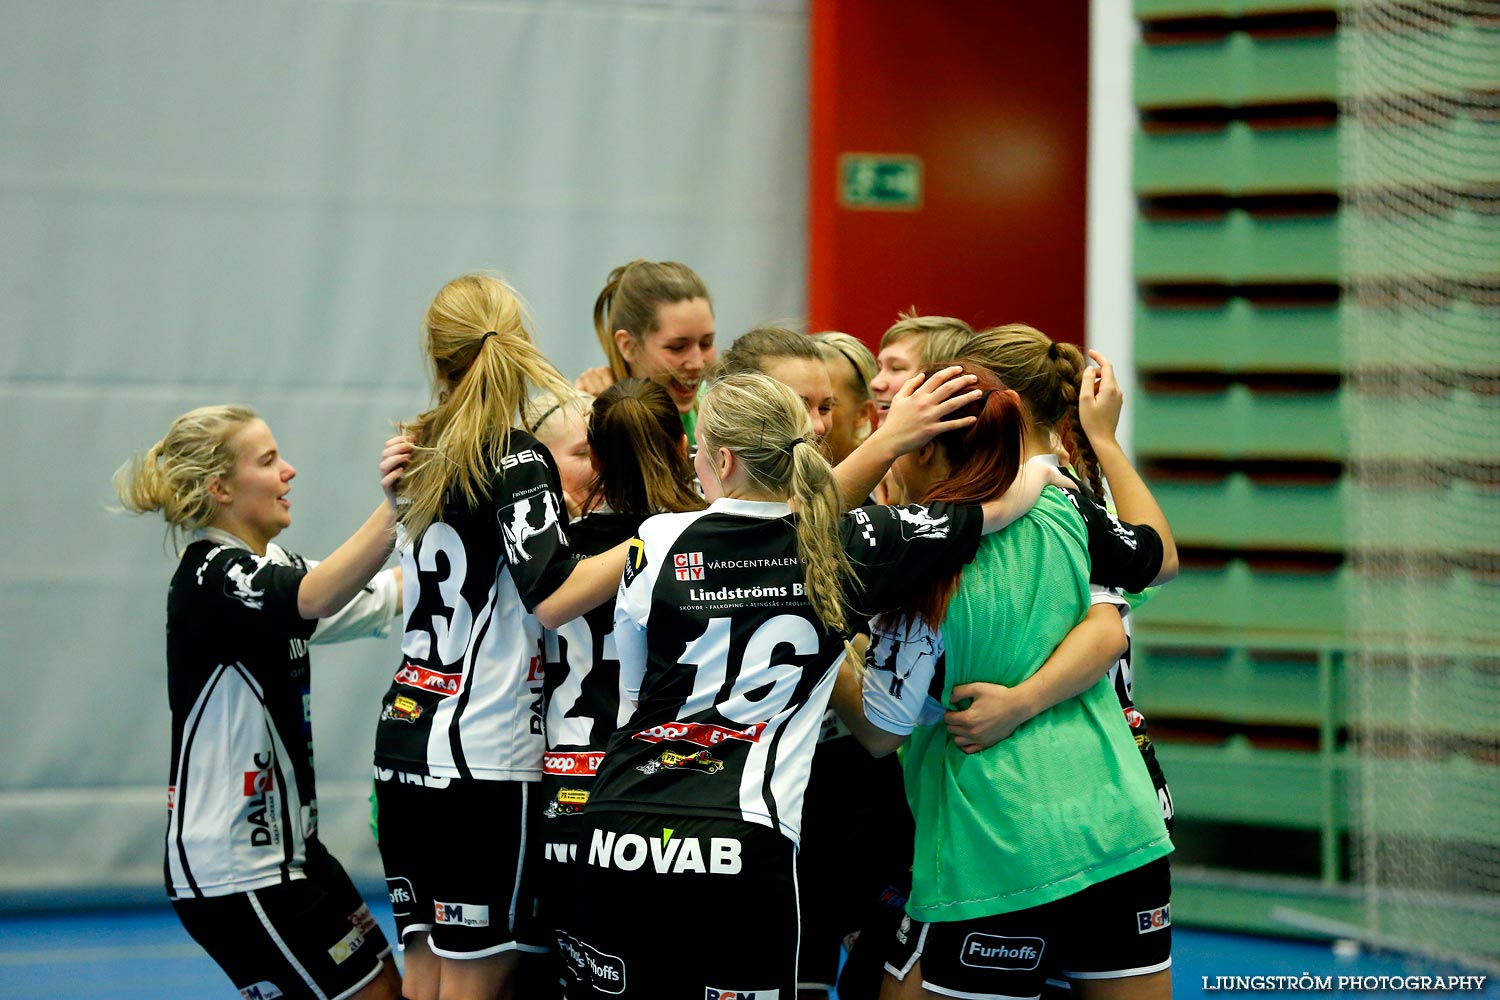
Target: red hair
[(983, 462)]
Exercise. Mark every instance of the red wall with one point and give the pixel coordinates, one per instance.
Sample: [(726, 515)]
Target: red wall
[(992, 95)]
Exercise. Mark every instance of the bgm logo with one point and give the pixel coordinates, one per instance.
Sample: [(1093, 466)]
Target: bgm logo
[(688, 565), (461, 914), (1153, 920), (525, 520), (709, 993), (402, 896), (263, 990), (989, 951)]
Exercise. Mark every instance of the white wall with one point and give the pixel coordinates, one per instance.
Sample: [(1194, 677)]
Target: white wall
[(1109, 303), (205, 201)]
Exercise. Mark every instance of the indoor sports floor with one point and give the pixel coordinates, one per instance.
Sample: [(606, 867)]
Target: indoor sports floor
[(143, 953)]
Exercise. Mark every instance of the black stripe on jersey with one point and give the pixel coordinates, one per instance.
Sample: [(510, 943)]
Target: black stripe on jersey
[(772, 759), (180, 796), (455, 730)]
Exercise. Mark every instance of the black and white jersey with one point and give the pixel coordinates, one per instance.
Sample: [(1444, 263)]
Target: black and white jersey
[(905, 668), (241, 801), (585, 700), (730, 666), (1121, 555), (466, 701)]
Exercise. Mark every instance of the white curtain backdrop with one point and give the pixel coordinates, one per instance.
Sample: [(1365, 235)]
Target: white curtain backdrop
[(204, 201)]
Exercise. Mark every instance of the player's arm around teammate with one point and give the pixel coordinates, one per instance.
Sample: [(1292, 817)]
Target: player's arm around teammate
[(247, 874), (1130, 551), (487, 567)]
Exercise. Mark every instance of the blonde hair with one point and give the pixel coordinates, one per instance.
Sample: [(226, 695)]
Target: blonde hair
[(767, 428), (481, 388), (911, 324), (545, 413), (173, 475), (835, 344), (1046, 374), (632, 295)]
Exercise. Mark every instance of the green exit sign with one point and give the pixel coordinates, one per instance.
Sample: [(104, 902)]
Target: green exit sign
[(879, 181)]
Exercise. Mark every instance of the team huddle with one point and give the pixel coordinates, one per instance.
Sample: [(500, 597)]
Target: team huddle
[(664, 631)]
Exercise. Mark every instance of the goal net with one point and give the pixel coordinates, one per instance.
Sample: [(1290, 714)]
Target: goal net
[(1420, 134)]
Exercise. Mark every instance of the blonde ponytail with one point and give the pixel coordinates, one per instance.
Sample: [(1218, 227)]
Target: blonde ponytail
[(766, 426), (481, 387), (173, 475), (816, 499)]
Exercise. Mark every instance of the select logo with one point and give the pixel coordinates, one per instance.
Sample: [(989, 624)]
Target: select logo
[(990, 951), (1153, 920)]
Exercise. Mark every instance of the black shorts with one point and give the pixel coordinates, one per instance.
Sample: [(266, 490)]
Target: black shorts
[(1118, 928), (311, 937), (856, 841), (460, 865), (682, 909)]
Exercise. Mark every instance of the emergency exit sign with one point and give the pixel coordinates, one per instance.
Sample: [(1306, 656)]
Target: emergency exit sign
[(880, 181)]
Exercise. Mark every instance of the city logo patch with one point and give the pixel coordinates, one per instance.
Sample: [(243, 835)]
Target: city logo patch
[(462, 914), (709, 993), (635, 560), (262, 990), (990, 951), (1153, 920), (688, 565), (402, 896), (528, 519)]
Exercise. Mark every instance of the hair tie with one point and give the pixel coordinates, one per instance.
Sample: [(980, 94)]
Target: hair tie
[(795, 442), (487, 336), (537, 425), (1052, 351)]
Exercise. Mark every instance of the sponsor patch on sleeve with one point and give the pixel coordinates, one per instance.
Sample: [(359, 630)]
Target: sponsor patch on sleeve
[(635, 560)]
